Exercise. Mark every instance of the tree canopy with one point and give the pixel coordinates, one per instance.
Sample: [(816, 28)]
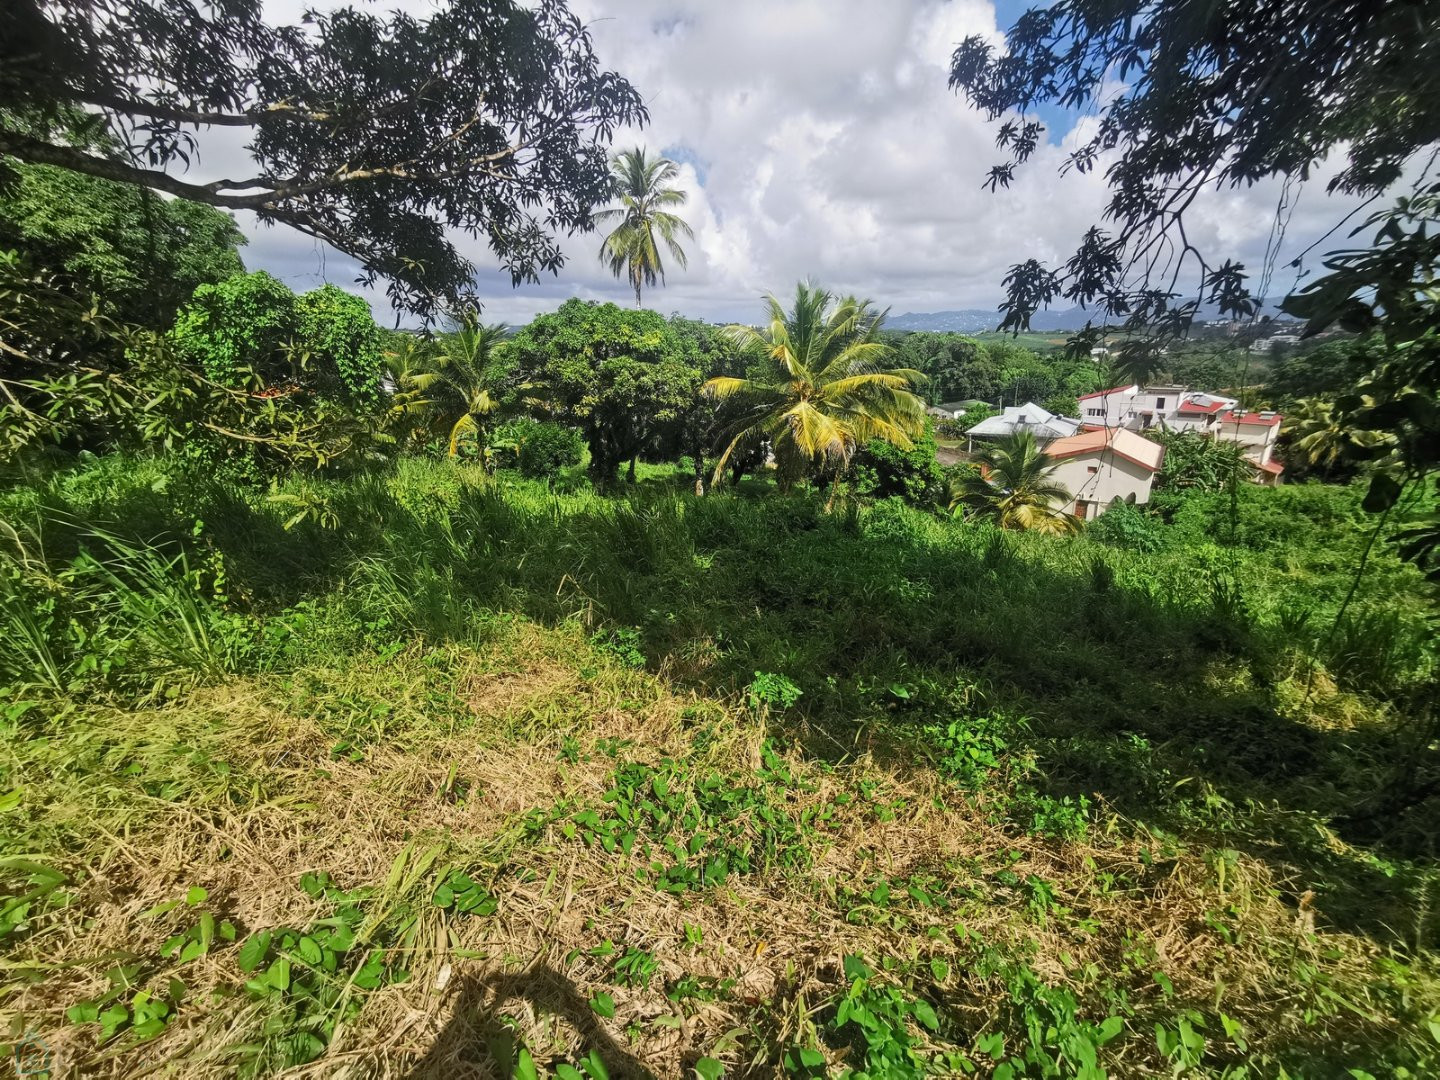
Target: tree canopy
[(382, 136), (1189, 96), (619, 376), (138, 255)]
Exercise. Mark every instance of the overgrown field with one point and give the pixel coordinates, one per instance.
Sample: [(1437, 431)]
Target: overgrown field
[(427, 774)]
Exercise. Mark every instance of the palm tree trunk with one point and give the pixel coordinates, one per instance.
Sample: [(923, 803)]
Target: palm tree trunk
[(637, 294), (631, 475), (699, 474)]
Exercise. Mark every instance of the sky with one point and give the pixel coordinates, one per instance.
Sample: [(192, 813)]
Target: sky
[(818, 139)]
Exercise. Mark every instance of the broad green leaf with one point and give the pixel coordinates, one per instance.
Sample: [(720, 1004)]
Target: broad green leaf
[(252, 953), (709, 1069), (524, 1066), (923, 1012), (603, 1004)]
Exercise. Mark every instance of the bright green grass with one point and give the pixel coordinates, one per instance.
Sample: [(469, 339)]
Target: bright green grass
[(870, 789)]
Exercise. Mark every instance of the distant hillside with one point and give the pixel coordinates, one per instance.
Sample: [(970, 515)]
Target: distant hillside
[(978, 321)]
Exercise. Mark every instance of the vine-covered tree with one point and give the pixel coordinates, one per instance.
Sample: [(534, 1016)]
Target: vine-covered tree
[(1192, 96), (251, 332), (380, 135)]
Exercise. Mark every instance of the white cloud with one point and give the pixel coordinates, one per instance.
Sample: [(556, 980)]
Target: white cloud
[(818, 139)]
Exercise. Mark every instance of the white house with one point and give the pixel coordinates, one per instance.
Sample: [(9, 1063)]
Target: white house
[(1257, 433), (1264, 345), (1045, 426), (1133, 406), (1102, 465), (1200, 412), (1106, 408)]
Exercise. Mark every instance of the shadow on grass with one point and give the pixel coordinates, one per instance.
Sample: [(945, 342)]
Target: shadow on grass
[(1138, 685), (478, 1040)]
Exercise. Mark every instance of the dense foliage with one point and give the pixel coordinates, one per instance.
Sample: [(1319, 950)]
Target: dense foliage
[(377, 134), (619, 376), (251, 330), (959, 368), (140, 257)]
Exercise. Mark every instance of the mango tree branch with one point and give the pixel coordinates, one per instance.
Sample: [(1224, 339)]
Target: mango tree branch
[(39, 152)]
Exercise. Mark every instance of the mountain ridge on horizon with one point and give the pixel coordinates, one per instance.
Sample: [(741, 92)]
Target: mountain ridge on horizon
[(983, 321)]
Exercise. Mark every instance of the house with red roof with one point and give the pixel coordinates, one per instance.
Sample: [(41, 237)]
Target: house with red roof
[(1257, 434), (1102, 465), (1175, 408)]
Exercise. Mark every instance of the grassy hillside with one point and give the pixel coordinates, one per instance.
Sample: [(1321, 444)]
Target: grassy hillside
[(426, 774)]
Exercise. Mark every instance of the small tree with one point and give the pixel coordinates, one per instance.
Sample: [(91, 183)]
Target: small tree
[(618, 376), (545, 449), (881, 469), (458, 383), (252, 331)]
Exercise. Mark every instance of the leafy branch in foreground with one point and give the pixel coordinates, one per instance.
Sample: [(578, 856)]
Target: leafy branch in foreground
[(377, 135), (1191, 97)]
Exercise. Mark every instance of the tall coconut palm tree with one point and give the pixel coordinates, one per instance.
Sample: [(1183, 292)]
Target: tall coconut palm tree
[(821, 389), (1013, 487), (639, 183), (457, 385)]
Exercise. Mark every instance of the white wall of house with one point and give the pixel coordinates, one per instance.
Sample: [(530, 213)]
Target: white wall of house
[(1153, 406), (1108, 410), (1095, 479), (1257, 440), (1201, 422), (1135, 408)]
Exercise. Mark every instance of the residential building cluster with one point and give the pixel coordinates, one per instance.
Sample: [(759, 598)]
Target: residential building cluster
[(1103, 453)]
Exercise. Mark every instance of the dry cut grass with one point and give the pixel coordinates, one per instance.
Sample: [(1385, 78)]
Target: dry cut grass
[(390, 774)]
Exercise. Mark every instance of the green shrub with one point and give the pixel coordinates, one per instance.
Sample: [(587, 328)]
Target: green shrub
[(545, 449), (881, 469), (1124, 525)]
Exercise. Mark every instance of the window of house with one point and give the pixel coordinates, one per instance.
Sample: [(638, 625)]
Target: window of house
[(1159, 403)]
